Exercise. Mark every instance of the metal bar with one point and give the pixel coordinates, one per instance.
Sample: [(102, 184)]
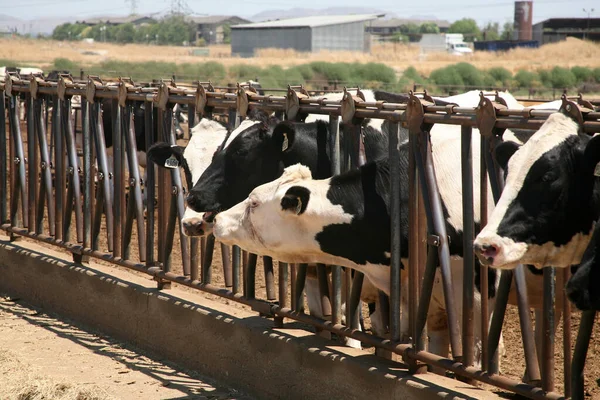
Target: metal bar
[(483, 269), (324, 289), (235, 268), (208, 257), (171, 218), (272, 309), (19, 160), (118, 187), (3, 161), (566, 274), (586, 326), (548, 326), (150, 184), (269, 278), (353, 302), (439, 223), (194, 257), (87, 174), (283, 291), (74, 181), (59, 167), (105, 200), (468, 333), (46, 162), (227, 271), (32, 162), (298, 285), (135, 189), (250, 281), (396, 232), (336, 298)]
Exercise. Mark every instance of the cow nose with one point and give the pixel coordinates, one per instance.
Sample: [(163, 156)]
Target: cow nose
[(486, 252), (193, 227)]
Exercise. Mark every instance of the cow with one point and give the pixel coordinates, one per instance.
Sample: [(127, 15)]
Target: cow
[(345, 220), (581, 288), (551, 200)]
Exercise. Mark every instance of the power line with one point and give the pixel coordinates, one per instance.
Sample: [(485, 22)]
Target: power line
[(133, 4)]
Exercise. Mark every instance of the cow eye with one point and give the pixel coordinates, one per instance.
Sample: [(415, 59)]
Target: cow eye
[(253, 203), (549, 177)]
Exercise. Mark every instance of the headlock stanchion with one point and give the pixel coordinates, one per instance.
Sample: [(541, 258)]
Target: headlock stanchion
[(101, 192)]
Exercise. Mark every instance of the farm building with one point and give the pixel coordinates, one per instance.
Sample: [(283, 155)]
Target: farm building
[(557, 29), (309, 34), (134, 19), (387, 28), (213, 29)]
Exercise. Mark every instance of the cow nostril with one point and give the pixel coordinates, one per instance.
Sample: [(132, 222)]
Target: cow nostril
[(486, 250)]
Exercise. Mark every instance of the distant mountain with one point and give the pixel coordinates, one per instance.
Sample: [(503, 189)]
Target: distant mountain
[(309, 12)]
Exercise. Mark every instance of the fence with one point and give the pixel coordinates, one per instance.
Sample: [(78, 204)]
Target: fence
[(67, 186)]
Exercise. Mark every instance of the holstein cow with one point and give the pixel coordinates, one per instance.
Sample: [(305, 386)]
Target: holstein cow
[(582, 287), (345, 220), (253, 154), (549, 205)]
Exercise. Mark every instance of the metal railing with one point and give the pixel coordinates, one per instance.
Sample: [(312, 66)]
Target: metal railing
[(40, 192)]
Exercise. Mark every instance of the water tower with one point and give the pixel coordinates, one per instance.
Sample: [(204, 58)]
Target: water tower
[(523, 20)]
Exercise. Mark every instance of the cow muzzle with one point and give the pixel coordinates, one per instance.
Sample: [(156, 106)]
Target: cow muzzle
[(486, 253), (194, 227)]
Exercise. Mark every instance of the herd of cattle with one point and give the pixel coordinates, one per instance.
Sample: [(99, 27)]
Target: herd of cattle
[(266, 186)]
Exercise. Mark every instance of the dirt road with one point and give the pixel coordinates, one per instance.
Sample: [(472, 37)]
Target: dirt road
[(43, 356)]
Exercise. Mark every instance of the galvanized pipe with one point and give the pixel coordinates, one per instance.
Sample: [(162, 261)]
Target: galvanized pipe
[(74, 181), (150, 184), (235, 268), (19, 162), (88, 182), (468, 300), (117, 179), (483, 269), (32, 162), (46, 174)]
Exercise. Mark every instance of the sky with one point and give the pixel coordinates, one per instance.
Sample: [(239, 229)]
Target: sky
[(500, 11)]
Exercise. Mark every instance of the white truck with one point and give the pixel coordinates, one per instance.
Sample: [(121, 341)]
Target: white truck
[(452, 43)]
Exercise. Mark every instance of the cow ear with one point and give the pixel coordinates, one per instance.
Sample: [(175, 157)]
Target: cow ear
[(504, 151), (591, 154), (283, 136), (295, 200), (166, 156)]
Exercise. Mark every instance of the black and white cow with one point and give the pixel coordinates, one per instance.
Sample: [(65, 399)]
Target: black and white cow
[(550, 202), (582, 287), (345, 220)]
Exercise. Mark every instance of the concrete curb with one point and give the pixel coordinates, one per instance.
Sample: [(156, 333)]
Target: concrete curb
[(229, 345)]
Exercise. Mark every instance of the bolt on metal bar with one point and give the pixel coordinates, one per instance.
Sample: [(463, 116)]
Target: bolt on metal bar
[(468, 299), (396, 232)]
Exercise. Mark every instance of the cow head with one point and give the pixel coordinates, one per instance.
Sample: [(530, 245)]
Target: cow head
[(281, 218), (582, 287), (546, 212), (206, 138), (257, 155)]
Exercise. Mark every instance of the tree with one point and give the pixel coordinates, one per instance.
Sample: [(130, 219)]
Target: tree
[(468, 27), (491, 31), (125, 33), (507, 31), (412, 31), (429, 27), (227, 33)]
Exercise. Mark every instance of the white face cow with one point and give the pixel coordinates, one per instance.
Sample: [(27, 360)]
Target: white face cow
[(546, 213)]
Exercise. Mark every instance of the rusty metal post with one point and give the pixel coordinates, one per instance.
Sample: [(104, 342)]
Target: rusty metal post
[(195, 257), (468, 334), (566, 274)]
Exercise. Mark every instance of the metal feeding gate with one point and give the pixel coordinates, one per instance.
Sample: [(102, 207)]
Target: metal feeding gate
[(41, 189)]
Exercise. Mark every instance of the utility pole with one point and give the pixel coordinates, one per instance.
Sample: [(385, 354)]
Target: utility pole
[(133, 5), (589, 12)]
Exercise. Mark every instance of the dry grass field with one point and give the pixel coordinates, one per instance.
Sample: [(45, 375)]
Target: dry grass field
[(569, 53)]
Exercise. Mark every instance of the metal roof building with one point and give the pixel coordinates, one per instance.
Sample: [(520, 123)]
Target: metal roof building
[(557, 29), (309, 34)]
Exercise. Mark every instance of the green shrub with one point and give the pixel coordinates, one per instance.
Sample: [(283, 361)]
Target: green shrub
[(562, 78), (447, 76), (243, 72), (582, 74), (596, 74), (305, 70), (545, 77), (501, 75), (411, 75), (375, 72), (470, 75), (332, 71), (64, 64), (525, 79)]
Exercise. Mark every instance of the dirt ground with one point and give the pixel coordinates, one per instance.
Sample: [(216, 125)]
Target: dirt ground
[(43, 356), (512, 363)]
